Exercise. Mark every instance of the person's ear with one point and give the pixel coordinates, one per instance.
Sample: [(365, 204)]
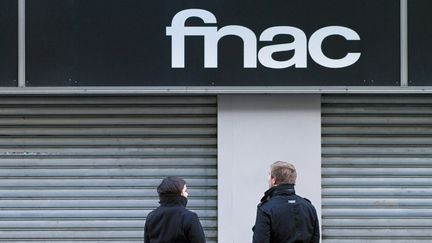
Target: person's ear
[(273, 181)]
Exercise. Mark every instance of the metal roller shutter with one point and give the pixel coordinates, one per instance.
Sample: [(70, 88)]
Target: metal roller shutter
[(85, 169), (377, 168)]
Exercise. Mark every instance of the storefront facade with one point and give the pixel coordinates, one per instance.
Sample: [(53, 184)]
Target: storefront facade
[(102, 99)]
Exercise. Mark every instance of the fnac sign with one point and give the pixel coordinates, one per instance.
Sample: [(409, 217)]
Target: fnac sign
[(301, 46)]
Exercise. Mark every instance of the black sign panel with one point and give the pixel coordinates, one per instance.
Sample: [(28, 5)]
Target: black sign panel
[(212, 43), (8, 42), (419, 43)]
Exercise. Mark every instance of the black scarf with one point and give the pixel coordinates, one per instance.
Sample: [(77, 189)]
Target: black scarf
[(172, 200), (283, 189)]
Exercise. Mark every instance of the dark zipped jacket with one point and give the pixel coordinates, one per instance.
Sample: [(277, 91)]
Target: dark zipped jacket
[(284, 217), (172, 222)]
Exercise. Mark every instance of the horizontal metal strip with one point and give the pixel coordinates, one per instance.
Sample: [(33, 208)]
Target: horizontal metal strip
[(184, 172), (101, 105), (115, 117), (87, 214), (107, 131), (207, 230), (106, 141), (129, 240), (199, 195), (107, 110), (99, 204), (103, 100), (411, 239), (158, 162), (366, 105), (375, 192), (79, 234), (112, 126), (385, 223), (80, 182), (377, 130), (91, 193), (384, 233), (98, 240), (377, 120), (376, 109), (374, 202), (375, 161), (375, 140), (92, 240), (104, 151), (104, 121), (86, 224), (374, 182), (193, 208), (114, 167), (395, 149), (127, 177), (346, 172), (380, 99), (60, 219), (376, 213)]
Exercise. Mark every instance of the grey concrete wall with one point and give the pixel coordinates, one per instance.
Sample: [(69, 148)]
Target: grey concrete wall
[(253, 132)]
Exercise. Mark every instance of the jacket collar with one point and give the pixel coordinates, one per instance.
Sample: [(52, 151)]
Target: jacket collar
[(283, 189), (172, 200)]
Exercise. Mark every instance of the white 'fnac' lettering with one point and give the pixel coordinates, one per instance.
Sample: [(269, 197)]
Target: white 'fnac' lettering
[(300, 45)]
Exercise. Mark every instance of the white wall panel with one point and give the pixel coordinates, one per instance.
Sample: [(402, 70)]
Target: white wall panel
[(253, 132)]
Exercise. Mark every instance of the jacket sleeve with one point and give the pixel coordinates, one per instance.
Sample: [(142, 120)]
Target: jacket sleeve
[(316, 233), (194, 231), (262, 228), (146, 236)]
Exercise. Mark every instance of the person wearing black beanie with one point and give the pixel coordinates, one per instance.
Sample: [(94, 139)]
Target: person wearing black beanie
[(171, 221)]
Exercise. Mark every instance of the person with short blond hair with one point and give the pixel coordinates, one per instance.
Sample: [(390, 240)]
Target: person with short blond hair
[(283, 172), (283, 216)]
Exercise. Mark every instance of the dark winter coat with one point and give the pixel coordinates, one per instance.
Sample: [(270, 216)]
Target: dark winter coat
[(284, 217), (172, 222)]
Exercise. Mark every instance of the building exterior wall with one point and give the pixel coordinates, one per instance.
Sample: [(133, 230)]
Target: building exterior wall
[(253, 132)]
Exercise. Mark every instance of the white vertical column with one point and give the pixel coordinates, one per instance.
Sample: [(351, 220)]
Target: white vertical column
[(253, 132), (21, 44)]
